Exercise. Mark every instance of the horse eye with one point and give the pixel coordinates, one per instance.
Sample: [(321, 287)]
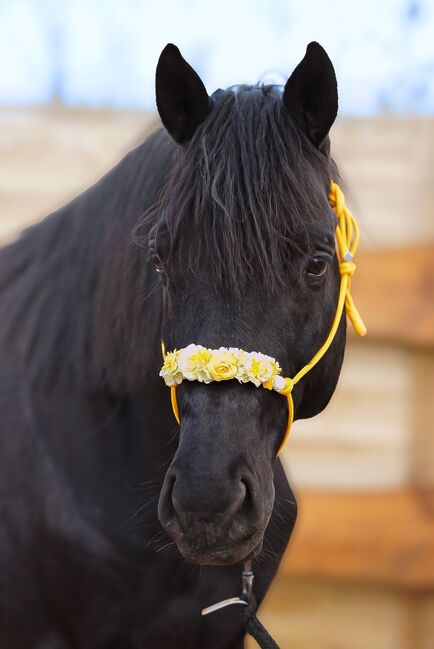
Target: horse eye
[(157, 263), (317, 267)]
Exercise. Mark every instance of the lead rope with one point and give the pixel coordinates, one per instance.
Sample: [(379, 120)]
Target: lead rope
[(257, 630), (251, 623)]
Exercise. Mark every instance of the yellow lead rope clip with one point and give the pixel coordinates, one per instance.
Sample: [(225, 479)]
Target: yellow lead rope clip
[(347, 239)]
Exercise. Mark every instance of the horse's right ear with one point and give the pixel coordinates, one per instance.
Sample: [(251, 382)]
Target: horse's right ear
[(182, 99)]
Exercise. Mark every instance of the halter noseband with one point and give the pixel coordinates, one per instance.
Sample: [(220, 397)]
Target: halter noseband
[(197, 363)]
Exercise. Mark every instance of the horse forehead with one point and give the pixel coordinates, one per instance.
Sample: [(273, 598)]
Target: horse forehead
[(226, 314)]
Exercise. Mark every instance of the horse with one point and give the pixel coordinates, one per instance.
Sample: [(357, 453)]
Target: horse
[(117, 525)]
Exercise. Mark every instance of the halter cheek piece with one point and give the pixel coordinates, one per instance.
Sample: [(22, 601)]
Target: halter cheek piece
[(197, 363)]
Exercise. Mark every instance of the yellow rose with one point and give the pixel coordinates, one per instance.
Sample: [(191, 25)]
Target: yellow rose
[(193, 363), (202, 358), (222, 365), (262, 369), (243, 361), (170, 370)]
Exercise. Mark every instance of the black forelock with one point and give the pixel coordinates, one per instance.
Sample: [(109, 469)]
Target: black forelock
[(240, 196)]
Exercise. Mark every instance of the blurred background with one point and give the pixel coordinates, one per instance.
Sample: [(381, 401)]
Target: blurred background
[(77, 91)]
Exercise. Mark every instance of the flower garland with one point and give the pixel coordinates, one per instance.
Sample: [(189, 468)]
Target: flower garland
[(197, 363)]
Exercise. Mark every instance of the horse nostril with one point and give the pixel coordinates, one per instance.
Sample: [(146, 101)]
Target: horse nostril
[(179, 510), (243, 525), (247, 507), (166, 510)]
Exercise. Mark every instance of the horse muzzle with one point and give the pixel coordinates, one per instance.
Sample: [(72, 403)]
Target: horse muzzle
[(213, 521)]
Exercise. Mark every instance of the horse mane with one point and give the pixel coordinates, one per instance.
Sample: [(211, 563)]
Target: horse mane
[(240, 196), (73, 287)]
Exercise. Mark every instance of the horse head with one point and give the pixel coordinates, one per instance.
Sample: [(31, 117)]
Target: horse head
[(243, 241)]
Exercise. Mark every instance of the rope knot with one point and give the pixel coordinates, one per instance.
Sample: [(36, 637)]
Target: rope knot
[(347, 268), (336, 198), (288, 387)]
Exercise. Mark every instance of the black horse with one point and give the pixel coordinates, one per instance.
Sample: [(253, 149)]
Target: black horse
[(117, 527)]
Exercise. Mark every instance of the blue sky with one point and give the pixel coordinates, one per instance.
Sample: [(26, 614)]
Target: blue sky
[(104, 52)]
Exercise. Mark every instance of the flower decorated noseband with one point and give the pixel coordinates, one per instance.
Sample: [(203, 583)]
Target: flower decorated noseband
[(197, 363)]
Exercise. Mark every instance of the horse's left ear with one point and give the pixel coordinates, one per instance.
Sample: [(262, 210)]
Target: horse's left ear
[(182, 99), (311, 94)]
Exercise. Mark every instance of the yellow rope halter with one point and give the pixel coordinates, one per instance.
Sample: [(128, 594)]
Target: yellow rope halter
[(347, 239)]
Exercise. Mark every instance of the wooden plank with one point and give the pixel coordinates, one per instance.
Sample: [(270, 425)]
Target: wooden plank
[(325, 614), (422, 422), (419, 618), (394, 290), (383, 537), (48, 155), (361, 441), (386, 164)]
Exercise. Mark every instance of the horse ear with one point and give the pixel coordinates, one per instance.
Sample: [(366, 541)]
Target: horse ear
[(311, 93), (182, 99)]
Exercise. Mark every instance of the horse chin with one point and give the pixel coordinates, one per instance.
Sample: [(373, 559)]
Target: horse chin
[(221, 556)]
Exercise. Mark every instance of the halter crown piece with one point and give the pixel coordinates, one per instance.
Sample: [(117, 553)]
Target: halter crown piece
[(197, 363)]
